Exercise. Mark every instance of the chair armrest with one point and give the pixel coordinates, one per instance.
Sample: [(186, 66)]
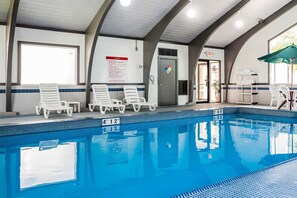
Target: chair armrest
[(125, 101), (115, 101), (142, 99), (64, 103)]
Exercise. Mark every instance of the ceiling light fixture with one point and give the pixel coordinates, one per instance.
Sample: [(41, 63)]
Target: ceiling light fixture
[(125, 3), (191, 13), (239, 23)]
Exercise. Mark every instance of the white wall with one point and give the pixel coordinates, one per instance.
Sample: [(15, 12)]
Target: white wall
[(2, 65), (182, 68), (2, 100), (43, 36), (107, 46), (25, 102), (257, 46), (2, 52)]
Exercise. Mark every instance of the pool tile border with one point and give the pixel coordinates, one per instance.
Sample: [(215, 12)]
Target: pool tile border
[(9, 129), (195, 192)]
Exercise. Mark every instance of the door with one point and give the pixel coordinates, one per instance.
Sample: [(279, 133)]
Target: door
[(202, 82), (167, 85), (208, 81), (214, 79)]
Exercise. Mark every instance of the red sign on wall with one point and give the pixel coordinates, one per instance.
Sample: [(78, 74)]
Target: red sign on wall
[(117, 69)]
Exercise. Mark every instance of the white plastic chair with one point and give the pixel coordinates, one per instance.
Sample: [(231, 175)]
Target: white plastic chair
[(284, 92), (275, 96), (101, 98), (50, 101), (132, 98)]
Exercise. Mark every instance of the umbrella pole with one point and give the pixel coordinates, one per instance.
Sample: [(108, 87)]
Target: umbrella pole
[(292, 74)]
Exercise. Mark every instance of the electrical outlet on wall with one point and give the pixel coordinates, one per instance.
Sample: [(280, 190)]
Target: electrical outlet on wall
[(139, 66)]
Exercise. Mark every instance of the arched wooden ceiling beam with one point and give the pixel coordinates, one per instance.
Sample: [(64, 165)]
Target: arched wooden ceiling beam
[(197, 44), (152, 38), (10, 32), (92, 34), (232, 50)]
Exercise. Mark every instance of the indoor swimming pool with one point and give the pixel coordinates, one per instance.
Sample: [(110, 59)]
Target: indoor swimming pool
[(152, 159)]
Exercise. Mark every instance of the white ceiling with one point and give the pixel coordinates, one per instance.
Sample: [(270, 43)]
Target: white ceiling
[(250, 15), (63, 14), (4, 6), (183, 29), (142, 15), (137, 19)]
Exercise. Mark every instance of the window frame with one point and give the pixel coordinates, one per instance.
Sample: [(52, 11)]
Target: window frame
[(19, 64), (270, 65)]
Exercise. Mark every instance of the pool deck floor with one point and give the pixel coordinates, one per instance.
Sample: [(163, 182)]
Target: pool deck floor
[(32, 119), (278, 181)]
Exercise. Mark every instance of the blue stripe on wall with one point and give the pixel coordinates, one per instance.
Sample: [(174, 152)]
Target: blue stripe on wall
[(72, 90), (121, 89), (25, 91), (259, 88), (2, 91)]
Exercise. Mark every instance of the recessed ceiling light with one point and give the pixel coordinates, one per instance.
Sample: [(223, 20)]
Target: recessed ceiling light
[(125, 3), (191, 13), (239, 23)]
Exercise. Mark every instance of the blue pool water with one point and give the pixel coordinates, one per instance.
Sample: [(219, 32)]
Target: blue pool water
[(157, 159)]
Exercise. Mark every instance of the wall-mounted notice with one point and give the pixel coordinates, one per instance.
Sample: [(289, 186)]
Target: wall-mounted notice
[(117, 69)]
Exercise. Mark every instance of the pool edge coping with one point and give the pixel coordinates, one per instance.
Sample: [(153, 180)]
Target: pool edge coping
[(11, 129)]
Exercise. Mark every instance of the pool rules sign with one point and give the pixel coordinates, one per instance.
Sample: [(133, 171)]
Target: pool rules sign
[(117, 69)]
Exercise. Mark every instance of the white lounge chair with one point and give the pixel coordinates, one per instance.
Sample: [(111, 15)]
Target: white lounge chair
[(101, 98), (132, 98), (50, 101)]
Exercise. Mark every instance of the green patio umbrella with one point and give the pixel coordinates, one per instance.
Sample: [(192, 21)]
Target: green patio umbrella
[(286, 55)]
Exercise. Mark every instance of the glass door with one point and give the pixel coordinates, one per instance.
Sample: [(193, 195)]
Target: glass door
[(214, 79), (208, 86), (202, 82)]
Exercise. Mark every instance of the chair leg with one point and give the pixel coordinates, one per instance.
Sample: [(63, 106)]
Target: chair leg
[(102, 110), (91, 107), (136, 107), (152, 107), (38, 110), (69, 112), (46, 113), (122, 109)]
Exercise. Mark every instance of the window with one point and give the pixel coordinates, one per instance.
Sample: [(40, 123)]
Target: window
[(281, 73), (48, 63)]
